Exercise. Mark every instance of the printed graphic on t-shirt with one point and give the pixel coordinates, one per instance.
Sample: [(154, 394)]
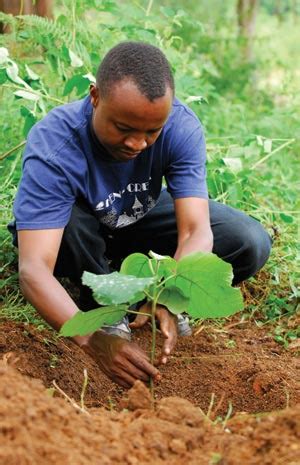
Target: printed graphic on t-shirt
[(125, 207)]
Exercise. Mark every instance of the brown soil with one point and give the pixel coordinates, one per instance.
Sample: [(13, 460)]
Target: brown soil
[(38, 429), (239, 366)]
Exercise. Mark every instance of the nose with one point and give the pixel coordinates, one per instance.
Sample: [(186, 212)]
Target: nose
[(135, 143)]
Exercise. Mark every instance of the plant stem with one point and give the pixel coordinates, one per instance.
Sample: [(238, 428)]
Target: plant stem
[(153, 343), (265, 158), (21, 7), (149, 7), (73, 24), (47, 97), (85, 383), (9, 152), (153, 323)]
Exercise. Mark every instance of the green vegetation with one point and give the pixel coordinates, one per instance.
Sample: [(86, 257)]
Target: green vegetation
[(250, 111), (199, 283)]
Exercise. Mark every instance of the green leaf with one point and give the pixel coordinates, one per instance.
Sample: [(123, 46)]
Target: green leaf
[(90, 77), (83, 323), (30, 120), (158, 257), (27, 95), (79, 82), (31, 74), (3, 55), (267, 145), (136, 264), (3, 76), (174, 299), (286, 218), (76, 62), (206, 280), (195, 98), (12, 72), (116, 288), (235, 164)]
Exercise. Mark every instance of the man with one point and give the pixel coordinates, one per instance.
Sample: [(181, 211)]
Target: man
[(91, 194)]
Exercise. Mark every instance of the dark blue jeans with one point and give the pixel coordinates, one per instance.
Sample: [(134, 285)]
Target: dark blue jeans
[(87, 245)]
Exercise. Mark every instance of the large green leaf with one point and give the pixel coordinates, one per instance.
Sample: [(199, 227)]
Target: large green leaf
[(140, 265), (83, 323), (116, 288), (206, 280), (136, 264), (174, 299)]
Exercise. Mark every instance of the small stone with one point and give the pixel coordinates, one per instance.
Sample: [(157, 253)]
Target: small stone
[(139, 397), (177, 446)]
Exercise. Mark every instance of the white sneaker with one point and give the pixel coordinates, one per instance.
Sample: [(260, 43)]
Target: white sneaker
[(122, 329), (183, 325)]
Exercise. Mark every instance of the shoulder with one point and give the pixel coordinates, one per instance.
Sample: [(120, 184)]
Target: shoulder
[(182, 119), (59, 127), (183, 125), (182, 111)]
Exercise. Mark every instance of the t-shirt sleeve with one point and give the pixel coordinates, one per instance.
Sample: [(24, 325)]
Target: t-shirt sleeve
[(45, 198), (186, 171)]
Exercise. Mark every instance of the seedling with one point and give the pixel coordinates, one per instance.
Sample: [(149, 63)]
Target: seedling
[(198, 284)]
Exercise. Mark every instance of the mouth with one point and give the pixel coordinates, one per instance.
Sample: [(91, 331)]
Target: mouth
[(130, 154)]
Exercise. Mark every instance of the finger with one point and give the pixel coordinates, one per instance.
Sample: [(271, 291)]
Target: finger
[(127, 377), (136, 357), (169, 331), (121, 382), (135, 372), (139, 321)]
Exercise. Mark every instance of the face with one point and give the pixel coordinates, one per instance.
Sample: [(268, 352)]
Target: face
[(125, 121)]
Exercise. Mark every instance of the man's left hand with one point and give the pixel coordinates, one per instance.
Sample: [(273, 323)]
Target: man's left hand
[(168, 327)]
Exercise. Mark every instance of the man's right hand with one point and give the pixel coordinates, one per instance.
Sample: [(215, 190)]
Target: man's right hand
[(122, 361)]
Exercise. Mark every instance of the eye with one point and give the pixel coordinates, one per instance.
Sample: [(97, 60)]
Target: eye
[(121, 129)]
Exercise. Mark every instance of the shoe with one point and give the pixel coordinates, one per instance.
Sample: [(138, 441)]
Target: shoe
[(183, 325), (121, 329)]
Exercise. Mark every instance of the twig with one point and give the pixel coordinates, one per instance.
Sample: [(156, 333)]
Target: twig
[(228, 415), (9, 152), (72, 402), (85, 383), (32, 91), (21, 7), (211, 404), (262, 160), (218, 406), (73, 23), (150, 4)]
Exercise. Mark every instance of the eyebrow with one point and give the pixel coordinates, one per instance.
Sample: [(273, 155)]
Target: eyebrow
[(125, 126)]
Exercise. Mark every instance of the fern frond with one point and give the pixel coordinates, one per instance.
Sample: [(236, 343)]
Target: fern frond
[(7, 18), (46, 27)]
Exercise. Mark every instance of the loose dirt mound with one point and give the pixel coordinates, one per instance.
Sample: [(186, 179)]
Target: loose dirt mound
[(241, 366), (36, 429)]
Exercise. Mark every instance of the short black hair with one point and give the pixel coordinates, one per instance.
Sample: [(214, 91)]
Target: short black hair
[(140, 62)]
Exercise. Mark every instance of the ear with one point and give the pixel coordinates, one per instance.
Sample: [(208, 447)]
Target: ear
[(94, 94)]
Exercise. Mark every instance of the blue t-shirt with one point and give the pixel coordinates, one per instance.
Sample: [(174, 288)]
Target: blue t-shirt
[(63, 161)]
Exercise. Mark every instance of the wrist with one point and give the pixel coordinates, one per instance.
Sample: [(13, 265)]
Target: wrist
[(82, 340)]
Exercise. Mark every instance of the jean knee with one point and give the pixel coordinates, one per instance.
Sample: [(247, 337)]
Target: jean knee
[(258, 247)]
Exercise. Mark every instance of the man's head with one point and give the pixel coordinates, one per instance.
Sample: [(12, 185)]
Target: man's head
[(132, 98)]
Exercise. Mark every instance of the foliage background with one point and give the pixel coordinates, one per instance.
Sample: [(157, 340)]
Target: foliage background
[(250, 111)]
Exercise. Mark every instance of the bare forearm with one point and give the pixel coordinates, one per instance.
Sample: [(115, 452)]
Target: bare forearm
[(49, 298), (198, 241)]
